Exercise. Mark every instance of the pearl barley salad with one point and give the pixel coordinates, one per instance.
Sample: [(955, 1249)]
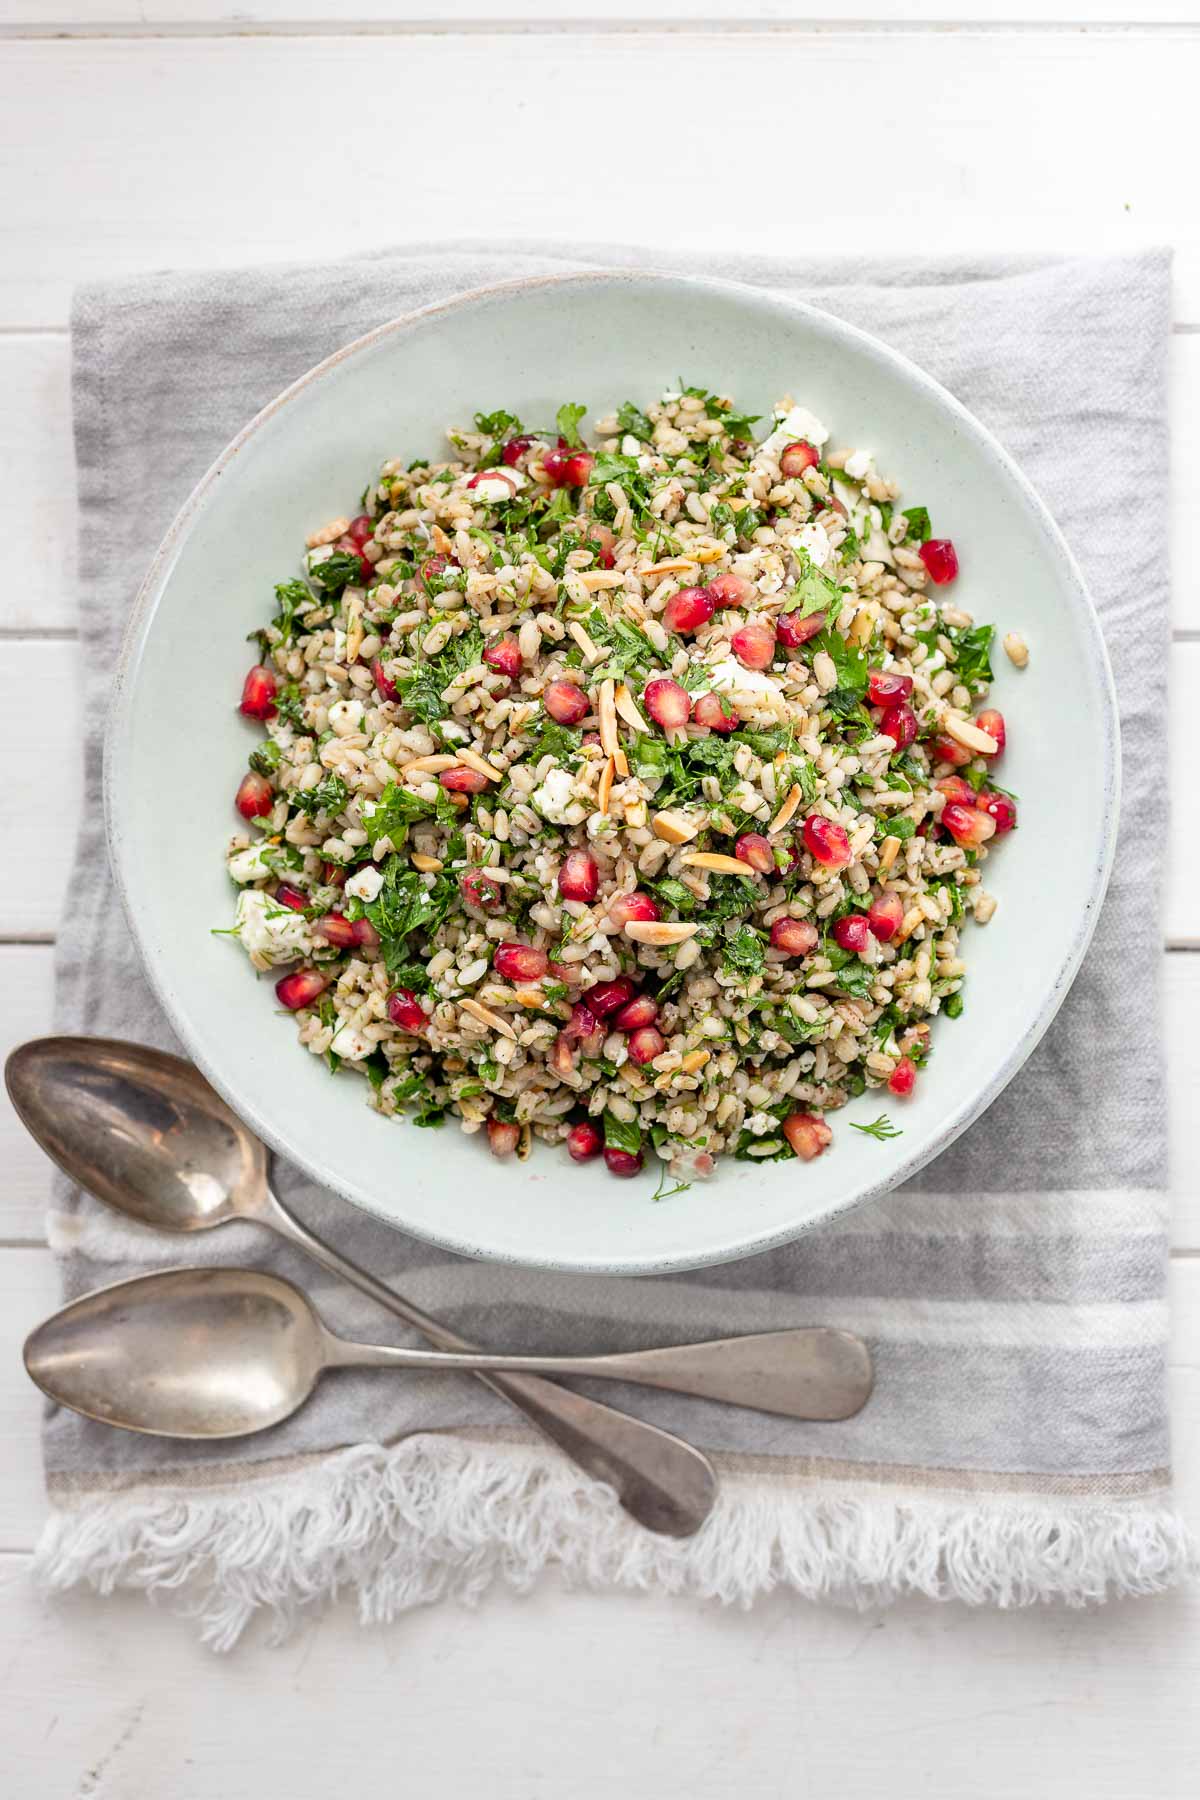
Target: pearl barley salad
[(631, 795)]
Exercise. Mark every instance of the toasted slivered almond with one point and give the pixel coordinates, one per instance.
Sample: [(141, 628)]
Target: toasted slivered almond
[(630, 1073), (428, 765), (786, 810), (708, 551), (607, 713), (888, 851), (355, 630), (674, 827), (912, 919), (428, 865), (695, 1059), (604, 786), (659, 931), (633, 609), (674, 565), (721, 865), (590, 653), (627, 707), (480, 765), (621, 762), (487, 1017), (335, 529), (595, 579), (969, 735), (440, 541)]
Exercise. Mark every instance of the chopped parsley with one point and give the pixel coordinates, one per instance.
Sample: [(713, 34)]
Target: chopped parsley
[(329, 796), (392, 814), (630, 420), (814, 593), (340, 570), (621, 1134), (744, 953), (422, 691), (567, 419), (919, 529)]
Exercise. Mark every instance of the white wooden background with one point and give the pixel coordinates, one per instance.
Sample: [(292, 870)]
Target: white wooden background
[(138, 134)]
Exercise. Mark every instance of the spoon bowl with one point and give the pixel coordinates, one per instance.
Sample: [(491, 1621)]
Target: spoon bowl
[(141, 1129), (194, 1353)]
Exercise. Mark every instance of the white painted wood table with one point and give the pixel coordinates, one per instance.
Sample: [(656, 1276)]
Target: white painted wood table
[(138, 134)]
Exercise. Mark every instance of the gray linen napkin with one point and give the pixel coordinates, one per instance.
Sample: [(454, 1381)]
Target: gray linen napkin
[(1016, 1447)]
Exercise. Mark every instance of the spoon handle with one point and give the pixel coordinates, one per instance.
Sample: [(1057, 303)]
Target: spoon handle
[(663, 1482), (808, 1373)]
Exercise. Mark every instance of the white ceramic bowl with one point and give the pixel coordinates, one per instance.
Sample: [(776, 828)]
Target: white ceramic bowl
[(530, 345)]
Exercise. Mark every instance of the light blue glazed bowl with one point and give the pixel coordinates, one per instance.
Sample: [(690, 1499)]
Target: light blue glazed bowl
[(527, 346)]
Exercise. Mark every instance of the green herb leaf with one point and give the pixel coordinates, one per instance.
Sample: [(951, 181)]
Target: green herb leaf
[(392, 814), (630, 419), (497, 424), (291, 597), (619, 1135), (744, 953), (919, 528), (567, 419), (340, 570), (265, 760), (814, 593), (972, 644), (329, 796), (880, 1128), (897, 828)]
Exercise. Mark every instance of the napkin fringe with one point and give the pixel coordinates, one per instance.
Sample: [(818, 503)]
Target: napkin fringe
[(437, 1517)]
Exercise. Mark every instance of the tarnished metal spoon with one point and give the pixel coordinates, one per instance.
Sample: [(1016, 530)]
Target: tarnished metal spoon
[(145, 1133), (204, 1353)]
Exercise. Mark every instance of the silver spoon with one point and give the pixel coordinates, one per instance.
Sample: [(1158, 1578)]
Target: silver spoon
[(146, 1134), (204, 1353)]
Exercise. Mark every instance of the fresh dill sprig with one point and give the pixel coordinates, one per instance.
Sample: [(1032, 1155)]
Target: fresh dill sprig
[(681, 1187), (879, 1128)]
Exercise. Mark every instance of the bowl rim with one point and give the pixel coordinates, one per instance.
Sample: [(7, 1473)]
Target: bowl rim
[(153, 587)]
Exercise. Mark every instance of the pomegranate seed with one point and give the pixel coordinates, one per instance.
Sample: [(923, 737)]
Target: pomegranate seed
[(795, 937), (795, 458), (405, 1010), (360, 529), (503, 1137), (433, 565), (826, 841), (258, 693), (900, 724), (956, 790), (630, 907), (807, 1135), (622, 1162), (688, 610), (520, 962), (903, 1077), (992, 722), (334, 875), (968, 826), (255, 796), (792, 631), (754, 646), (505, 656), (365, 935), (514, 450), (607, 540), (1000, 810), (948, 750), (853, 932), (667, 703), (607, 996), (300, 988), (730, 590), (579, 876), (336, 929), (584, 1141), (385, 687), (753, 848), (461, 780), (639, 1011), (494, 475), (709, 709), (565, 702), (567, 468), (885, 916), (291, 897), (645, 1044), (583, 1023), (940, 559), (479, 891), (885, 689)]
